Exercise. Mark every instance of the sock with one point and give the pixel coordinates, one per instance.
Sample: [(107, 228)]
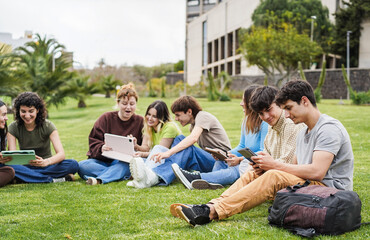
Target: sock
[(55, 180)]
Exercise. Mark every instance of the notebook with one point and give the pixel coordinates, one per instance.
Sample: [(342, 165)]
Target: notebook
[(19, 157), (122, 147)]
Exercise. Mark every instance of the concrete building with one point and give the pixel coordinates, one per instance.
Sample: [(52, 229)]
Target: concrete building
[(8, 39), (364, 56), (212, 37)]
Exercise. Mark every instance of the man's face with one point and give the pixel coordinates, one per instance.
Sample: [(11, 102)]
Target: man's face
[(271, 115), (294, 111), (184, 118)]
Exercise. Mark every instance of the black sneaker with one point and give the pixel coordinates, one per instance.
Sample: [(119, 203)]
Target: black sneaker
[(175, 205), (69, 177), (201, 184), (184, 176), (196, 215)]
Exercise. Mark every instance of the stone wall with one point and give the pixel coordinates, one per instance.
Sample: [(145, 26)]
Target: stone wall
[(333, 88), (172, 78)]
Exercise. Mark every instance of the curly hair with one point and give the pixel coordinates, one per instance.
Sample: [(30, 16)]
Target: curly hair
[(127, 90), (3, 132), (30, 99)]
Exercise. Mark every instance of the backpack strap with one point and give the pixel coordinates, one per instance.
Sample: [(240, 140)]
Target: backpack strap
[(304, 232), (298, 186)]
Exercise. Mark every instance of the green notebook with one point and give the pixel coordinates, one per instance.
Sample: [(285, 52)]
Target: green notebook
[(19, 157)]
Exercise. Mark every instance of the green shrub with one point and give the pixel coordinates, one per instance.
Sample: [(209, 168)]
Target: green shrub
[(224, 98), (359, 98)]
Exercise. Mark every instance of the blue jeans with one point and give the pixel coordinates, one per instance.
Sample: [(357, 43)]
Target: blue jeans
[(156, 149), (106, 172), (222, 174), (32, 174), (191, 158)]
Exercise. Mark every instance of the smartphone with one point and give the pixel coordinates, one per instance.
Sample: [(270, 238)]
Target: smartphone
[(247, 153), (221, 155)]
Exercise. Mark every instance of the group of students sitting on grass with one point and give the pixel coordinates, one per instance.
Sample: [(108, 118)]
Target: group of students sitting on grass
[(293, 140)]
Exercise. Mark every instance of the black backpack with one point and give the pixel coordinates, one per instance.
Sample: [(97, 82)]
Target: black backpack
[(312, 210)]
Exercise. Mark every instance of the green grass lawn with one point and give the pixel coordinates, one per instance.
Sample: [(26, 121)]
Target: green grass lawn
[(114, 211)]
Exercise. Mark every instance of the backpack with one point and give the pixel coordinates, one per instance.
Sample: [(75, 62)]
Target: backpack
[(312, 210)]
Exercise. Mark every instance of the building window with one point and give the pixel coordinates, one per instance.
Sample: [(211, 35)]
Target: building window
[(209, 52), (193, 2), (230, 68), (204, 44), (237, 38), (222, 67), (237, 66), (230, 44), (215, 71), (222, 48), (216, 50)]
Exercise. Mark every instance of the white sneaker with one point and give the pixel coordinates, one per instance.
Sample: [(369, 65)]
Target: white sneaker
[(130, 184), (143, 176)]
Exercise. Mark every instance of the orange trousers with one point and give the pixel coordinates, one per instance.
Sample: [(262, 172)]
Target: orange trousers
[(251, 190)]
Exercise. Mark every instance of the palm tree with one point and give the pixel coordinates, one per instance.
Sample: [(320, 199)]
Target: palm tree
[(9, 85), (80, 89), (109, 84), (44, 68)]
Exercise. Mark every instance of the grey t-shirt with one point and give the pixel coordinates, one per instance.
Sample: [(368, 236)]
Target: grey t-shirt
[(213, 135), (328, 135)]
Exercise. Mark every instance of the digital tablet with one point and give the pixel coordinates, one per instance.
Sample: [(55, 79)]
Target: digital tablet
[(221, 155), (122, 147), (19, 157), (247, 153)]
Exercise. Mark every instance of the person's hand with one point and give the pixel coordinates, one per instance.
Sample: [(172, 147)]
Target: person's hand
[(256, 169), (4, 160), (232, 160), (139, 154), (135, 141), (264, 161), (105, 148), (159, 156), (40, 162)]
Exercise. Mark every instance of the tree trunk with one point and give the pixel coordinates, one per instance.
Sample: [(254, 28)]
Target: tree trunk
[(81, 104), (107, 94)]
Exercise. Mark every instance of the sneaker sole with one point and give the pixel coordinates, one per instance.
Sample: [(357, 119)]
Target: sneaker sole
[(204, 185), (174, 206), (183, 180), (182, 215), (92, 181)]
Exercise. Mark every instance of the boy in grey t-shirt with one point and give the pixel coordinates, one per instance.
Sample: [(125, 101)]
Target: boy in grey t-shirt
[(324, 156), (328, 135)]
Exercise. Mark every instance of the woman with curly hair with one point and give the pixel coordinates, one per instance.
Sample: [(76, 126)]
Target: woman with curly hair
[(124, 122), (6, 172), (34, 132)]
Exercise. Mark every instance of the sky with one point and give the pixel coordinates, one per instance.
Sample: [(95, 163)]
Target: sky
[(123, 32)]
